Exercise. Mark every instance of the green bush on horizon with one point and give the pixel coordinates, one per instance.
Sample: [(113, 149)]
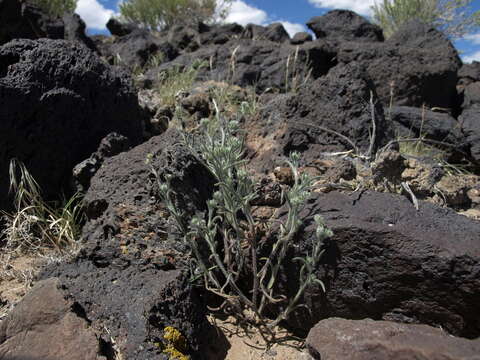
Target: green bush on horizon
[(57, 7), (163, 14), (454, 17)]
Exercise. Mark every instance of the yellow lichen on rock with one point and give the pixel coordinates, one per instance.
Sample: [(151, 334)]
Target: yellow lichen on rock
[(176, 344)]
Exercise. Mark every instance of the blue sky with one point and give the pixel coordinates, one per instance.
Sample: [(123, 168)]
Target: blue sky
[(292, 13)]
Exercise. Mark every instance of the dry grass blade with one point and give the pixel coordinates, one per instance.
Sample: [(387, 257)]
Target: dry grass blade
[(36, 224)]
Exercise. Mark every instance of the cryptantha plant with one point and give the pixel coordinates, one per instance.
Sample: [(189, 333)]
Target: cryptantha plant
[(226, 243)]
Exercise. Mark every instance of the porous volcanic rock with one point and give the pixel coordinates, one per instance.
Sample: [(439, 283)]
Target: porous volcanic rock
[(22, 19), (75, 30), (318, 119), (340, 339), (442, 128), (471, 95), (219, 34), (57, 101), (468, 85), (260, 63), (135, 49), (301, 38), (47, 324), (424, 123), (133, 303), (388, 261), (126, 179), (119, 28), (111, 145), (274, 32), (131, 273), (344, 25), (470, 120), (417, 66), (469, 73)]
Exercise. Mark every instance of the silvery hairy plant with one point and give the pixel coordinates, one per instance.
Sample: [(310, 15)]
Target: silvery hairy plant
[(226, 243)]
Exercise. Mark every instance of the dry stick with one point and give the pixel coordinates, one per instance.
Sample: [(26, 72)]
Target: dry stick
[(421, 127), (412, 195), (255, 269), (352, 144), (374, 127)]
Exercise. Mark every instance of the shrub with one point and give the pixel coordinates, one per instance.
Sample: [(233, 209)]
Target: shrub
[(57, 7), (226, 242), (162, 14), (37, 224), (454, 17)]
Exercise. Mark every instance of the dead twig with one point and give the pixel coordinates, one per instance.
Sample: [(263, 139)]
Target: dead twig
[(412, 195)]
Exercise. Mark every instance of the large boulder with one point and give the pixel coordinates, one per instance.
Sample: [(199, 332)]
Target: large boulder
[(424, 123), (469, 85), (135, 49), (415, 67), (301, 38), (340, 339), (219, 34), (48, 324), (57, 101), (389, 261), (470, 94), (21, 19), (444, 130), (131, 275), (470, 120), (75, 30), (118, 28), (274, 32), (344, 25), (331, 114), (469, 73)]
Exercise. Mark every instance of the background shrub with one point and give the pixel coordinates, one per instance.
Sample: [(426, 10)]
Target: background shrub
[(162, 14), (454, 17), (57, 7)]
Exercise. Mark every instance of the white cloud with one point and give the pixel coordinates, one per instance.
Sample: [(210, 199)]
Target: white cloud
[(93, 13), (474, 38), (362, 7), (293, 28), (243, 14), (473, 57)]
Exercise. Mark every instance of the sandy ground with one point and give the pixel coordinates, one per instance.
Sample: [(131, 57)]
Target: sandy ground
[(232, 342)]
